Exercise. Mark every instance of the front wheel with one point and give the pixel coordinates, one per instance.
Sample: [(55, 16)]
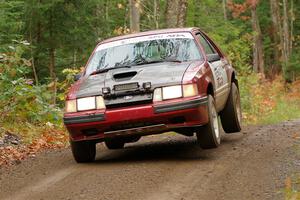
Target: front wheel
[(231, 116), (209, 136), (83, 151)]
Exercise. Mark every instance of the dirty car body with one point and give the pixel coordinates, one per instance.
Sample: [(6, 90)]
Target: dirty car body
[(148, 83)]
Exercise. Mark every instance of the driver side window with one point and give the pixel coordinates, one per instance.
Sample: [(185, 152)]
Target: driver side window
[(206, 45)]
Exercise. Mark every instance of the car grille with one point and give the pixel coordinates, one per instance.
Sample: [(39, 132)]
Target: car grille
[(129, 100), (124, 87), (122, 105)]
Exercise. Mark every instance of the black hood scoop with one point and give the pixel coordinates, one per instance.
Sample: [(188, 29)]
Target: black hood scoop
[(124, 76)]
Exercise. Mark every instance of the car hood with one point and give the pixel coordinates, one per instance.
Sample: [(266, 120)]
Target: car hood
[(159, 74)]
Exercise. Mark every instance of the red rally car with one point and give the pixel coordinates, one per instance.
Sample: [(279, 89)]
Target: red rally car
[(149, 83)]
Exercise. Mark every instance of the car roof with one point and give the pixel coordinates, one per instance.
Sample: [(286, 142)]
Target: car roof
[(153, 32)]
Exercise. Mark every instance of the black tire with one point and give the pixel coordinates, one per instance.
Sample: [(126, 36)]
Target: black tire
[(83, 151), (231, 115), (209, 136), (114, 143)]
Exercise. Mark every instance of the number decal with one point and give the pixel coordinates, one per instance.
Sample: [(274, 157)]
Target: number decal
[(219, 74)]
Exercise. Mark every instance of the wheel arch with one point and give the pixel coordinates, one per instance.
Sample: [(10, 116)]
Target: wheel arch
[(210, 89), (234, 79)]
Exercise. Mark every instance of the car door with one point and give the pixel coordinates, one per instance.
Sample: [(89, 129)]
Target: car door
[(218, 68)]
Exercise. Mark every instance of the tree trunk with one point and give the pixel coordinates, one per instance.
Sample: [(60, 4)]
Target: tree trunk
[(258, 53), (134, 15), (74, 57), (171, 13), (288, 74), (98, 15), (197, 11), (38, 39), (224, 2), (176, 11), (52, 59), (155, 13), (292, 27), (52, 72), (182, 11), (286, 35), (31, 51), (277, 35)]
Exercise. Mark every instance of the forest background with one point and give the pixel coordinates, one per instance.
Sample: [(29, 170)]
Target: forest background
[(43, 44)]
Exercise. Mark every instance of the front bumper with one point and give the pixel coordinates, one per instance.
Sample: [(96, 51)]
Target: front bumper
[(180, 105), (141, 120), (84, 119)]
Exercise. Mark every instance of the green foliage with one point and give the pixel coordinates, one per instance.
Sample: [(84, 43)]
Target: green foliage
[(292, 68), (64, 85), (229, 35), (20, 100), (11, 21)]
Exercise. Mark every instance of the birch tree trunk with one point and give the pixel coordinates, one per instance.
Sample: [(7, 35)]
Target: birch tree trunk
[(134, 15)]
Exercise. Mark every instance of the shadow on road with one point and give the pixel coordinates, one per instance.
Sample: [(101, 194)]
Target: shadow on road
[(179, 149)]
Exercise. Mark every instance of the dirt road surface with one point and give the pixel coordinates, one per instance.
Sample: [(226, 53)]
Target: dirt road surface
[(250, 165)]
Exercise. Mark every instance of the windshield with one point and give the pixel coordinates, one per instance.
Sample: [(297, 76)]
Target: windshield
[(178, 47)]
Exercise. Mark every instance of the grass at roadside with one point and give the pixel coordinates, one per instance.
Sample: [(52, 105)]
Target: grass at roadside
[(283, 111), (291, 191), (269, 102)]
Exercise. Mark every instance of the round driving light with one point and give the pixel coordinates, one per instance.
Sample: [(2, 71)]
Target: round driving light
[(147, 85), (105, 90)]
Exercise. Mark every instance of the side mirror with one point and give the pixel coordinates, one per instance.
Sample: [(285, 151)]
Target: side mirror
[(213, 57), (77, 77)]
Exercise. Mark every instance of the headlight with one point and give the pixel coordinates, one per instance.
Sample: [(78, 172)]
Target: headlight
[(157, 95), (71, 106), (171, 92), (100, 102), (190, 90), (87, 103)]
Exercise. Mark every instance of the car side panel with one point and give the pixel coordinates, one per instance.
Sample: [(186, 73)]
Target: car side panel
[(220, 72), (221, 83)]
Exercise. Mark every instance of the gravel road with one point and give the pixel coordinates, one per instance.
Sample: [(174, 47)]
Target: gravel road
[(250, 165)]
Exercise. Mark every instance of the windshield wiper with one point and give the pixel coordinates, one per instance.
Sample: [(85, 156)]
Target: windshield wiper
[(158, 61), (172, 60), (99, 71)]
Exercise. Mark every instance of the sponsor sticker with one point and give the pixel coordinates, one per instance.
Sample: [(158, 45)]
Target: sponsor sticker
[(179, 35)]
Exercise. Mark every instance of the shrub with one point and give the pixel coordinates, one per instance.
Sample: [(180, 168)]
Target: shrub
[(20, 99)]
